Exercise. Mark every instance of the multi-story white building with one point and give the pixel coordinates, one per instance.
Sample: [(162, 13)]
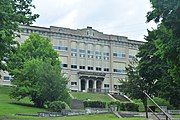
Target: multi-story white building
[(91, 60)]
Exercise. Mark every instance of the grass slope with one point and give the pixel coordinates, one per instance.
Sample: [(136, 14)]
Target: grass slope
[(91, 96), (10, 107)]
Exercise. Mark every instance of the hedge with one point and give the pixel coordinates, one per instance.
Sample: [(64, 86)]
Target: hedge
[(94, 104), (57, 106)]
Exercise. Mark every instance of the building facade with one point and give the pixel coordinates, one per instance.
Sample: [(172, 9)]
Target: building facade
[(92, 61)]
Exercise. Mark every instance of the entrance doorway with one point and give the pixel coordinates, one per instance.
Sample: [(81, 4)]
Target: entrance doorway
[(83, 84)]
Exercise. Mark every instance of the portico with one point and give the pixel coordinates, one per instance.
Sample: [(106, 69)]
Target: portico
[(90, 81)]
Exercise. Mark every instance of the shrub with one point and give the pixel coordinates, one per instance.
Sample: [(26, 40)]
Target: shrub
[(57, 106), (94, 104), (129, 107), (116, 103)]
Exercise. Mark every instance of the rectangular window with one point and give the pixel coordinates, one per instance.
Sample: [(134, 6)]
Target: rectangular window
[(98, 55), (119, 71), (73, 52), (81, 67), (90, 54), (73, 83), (82, 53), (106, 69), (90, 68), (98, 69), (119, 55), (74, 66), (62, 48), (7, 78), (65, 65), (106, 85)]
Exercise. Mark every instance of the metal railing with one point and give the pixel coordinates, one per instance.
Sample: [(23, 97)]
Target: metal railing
[(167, 116)]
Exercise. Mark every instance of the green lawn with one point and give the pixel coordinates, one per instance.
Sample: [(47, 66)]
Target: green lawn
[(83, 117), (8, 109), (8, 106), (91, 96)]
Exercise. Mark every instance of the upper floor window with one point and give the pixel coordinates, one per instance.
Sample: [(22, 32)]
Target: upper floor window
[(73, 83), (106, 85), (98, 55), (119, 55), (82, 53), (106, 56), (98, 69), (121, 71), (90, 54), (73, 52), (60, 48), (64, 65)]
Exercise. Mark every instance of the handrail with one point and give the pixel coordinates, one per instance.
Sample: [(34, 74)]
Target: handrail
[(153, 113), (167, 116)]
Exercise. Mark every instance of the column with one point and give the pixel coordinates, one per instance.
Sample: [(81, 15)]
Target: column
[(87, 85), (94, 86), (79, 84)]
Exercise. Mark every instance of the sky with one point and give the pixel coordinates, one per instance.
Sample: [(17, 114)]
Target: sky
[(117, 17)]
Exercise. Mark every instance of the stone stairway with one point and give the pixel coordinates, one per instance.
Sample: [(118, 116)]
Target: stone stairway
[(76, 104), (120, 97)]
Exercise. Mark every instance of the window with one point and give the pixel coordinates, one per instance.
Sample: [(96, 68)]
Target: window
[(65, 65), (7, 78), (60, 48), (106, 69), (81, 67), (73, 83), (119, 55), (106, 85), (74, 66), (116, 86), (90, 68), (131, 56), (73, 52), (119, 71), (98, 55), (98, 69), (82, 53), (106, 56), (63, 48), (90, 54)]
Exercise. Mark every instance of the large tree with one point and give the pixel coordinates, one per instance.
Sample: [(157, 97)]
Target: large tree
[(36, 70), (166, 13), (12, 13)]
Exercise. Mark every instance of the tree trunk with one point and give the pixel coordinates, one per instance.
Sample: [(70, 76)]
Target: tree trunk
[(145, 106)]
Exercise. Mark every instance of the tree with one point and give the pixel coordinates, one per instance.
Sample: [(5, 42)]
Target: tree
[(168, 38), (12, 13), (135, 84), (36, 70), (41, 82)]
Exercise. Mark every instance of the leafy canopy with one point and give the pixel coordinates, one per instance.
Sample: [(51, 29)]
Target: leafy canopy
[(37, 74), (12, 13)]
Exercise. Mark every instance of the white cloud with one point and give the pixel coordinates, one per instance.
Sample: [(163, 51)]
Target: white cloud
[(126, 18)]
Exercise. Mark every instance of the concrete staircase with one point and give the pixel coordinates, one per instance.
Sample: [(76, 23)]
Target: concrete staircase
[(76, 104), (120, 97)]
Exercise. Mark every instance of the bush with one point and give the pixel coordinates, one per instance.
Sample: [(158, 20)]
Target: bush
[(94, 104), (162, 102), (57, 106), (114, 102), (129, 107)]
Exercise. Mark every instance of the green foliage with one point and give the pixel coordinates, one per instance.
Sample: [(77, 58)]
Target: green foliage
[(12, 14), (94, 104), (168, 37), (161, 102), (57, 106), (37, 74), (116, 103), (129, 107)]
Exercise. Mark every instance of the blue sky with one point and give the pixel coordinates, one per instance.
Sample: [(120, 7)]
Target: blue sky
[(118, 17)]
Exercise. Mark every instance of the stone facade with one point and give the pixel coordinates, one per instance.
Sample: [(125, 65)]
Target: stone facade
[(91, 60)]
